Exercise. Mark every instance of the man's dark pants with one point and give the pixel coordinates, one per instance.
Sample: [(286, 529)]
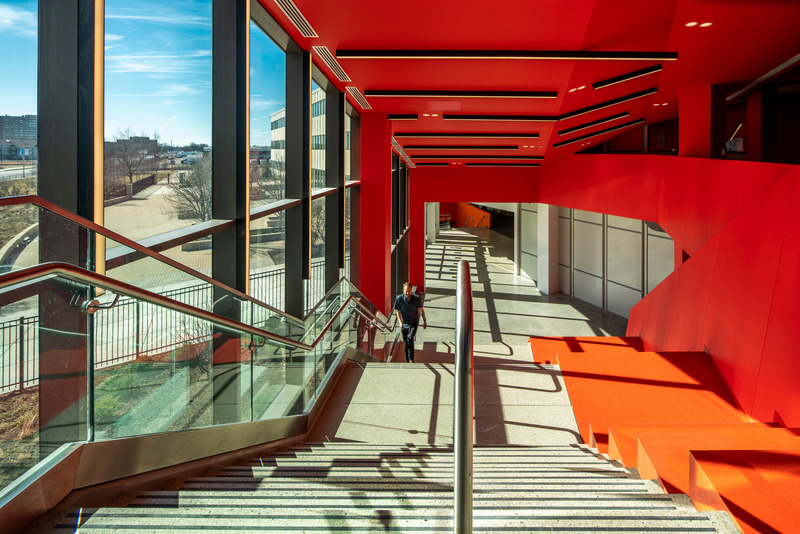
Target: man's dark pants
[(408, 340)]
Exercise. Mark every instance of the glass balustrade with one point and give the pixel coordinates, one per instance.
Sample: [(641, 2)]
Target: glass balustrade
[(85, 358)]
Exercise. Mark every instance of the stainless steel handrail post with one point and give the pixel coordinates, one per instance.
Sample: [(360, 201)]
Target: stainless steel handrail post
[(463, 404)]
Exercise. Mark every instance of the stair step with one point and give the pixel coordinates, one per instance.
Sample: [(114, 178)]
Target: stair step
[(157, 519)]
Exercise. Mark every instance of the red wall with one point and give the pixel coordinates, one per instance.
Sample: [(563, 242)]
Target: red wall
[(737, 297), (460, 213), (691, 198)]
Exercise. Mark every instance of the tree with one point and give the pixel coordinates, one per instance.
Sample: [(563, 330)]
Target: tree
[(191, 198), (127, 153)]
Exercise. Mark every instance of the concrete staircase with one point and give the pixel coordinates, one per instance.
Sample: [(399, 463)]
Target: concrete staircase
[(358, 487)]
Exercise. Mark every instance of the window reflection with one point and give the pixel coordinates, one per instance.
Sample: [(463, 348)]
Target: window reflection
[(157, 153), (267, 119), (317, 137)]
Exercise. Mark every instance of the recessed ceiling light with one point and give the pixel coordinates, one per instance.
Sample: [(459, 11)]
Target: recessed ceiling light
[(656, 104), (664, 104), (691, 24), (573, 89), (705, 25), (581, 87), (434, 114), (426, 114)]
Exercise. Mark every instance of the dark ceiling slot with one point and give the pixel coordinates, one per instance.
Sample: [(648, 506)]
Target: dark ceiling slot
[(461, 147), (600, 132), (432, 164), (506, 54), (467, 135), (467, 156), (594, 123), (608, 103), (358, 97), (325, 54), (297, 18), (500, 164), (509, 118), (459, 94), (410, 117), (625, 77)]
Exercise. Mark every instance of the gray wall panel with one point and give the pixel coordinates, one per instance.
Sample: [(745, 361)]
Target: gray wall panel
[(588, 216), (625, 257), (660, 260), (589, 288), (621, 299), (588, 247)]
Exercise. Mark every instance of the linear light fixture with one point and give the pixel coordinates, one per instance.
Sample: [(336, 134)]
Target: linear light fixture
[(505, 118), (625, 77), (503, 165), (452, 135), (594, 123), (410, 117), (461, 147), (609, 103), (735, 131), (507, 54), (466, 156), (400, 93), (601, 132)]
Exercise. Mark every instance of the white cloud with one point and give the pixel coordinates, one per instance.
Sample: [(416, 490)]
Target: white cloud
[(164, 19), (18, 21), (112, 37)]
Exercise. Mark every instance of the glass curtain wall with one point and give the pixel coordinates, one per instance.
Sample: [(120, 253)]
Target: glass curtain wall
[(315, 286), (267, 167), (19, 149), (157, 131)]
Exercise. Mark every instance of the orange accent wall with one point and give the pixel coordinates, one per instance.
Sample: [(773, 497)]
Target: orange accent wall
[(460, 213), (737, 295)]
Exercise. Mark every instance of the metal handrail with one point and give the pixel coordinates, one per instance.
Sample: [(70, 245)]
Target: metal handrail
[(110, 234), (77, 274), (463, 404)]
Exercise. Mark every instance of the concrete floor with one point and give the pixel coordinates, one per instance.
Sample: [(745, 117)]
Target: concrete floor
[(508, 308), (516, 401)]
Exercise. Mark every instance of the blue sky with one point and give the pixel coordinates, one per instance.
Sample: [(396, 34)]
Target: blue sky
[(158, 69)]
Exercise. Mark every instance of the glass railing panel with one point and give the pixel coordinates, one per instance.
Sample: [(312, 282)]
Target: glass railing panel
[(43, 374), (32, 235), (179, 372)]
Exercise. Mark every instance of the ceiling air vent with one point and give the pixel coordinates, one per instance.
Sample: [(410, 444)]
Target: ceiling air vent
[(356, 94), (324, 53), (297, 18)]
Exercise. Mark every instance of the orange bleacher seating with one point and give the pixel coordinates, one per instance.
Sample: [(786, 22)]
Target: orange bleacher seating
[(758, 488), (647, 387), (545, 348)]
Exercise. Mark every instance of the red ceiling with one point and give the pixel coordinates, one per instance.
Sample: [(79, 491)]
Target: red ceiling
[(747, 39)]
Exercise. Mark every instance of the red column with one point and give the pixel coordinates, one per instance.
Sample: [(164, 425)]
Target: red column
[(701, 122), (376, 210), (416, 232)]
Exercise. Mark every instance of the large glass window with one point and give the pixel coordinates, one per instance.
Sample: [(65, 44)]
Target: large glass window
[(19, 151), (267, 119), (317, 136), (315, 287), (157, 157)]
